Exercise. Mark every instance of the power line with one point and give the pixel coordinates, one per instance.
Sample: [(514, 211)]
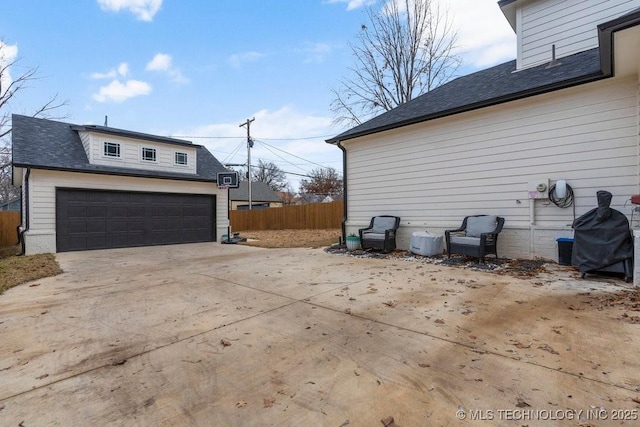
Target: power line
[(243, 137), (233, 152), (269, 169), (293, 155), (283, 159)]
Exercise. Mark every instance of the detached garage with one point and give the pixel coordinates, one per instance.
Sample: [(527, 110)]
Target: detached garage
[(95, 187)]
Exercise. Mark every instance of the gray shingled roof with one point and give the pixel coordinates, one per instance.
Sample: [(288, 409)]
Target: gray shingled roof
[(47, 144), (260, 192), (487, 87)]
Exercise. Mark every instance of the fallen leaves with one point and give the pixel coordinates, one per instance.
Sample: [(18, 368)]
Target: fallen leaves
[(518, 344), (268, 402), (547, 347)]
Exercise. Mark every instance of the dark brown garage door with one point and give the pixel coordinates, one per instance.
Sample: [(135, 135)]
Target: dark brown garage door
[(89, 219)]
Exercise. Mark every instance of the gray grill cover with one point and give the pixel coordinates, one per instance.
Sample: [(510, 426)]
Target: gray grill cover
[(602, 237)]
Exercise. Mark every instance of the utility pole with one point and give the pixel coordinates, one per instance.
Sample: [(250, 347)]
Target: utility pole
[(249, 145)]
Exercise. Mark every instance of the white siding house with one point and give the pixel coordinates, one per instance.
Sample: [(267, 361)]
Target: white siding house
[(481, 143), (93, 187), (570, 25)]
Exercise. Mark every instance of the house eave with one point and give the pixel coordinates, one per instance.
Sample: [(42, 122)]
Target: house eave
[(475, 106), (606, 33), (132, 173)]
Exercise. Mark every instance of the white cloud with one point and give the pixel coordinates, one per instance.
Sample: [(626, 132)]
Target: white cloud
[(8, 54), (238, 59), (121, 70), (118, 92), (354, 4), (160, 62), (163, 62), (485, 37), (316, 52), (144, 10)]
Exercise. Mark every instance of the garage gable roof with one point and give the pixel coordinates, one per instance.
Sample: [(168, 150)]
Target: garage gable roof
[(47, 144), (131, 134)]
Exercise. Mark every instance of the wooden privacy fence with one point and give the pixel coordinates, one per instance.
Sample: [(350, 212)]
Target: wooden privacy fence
[(314, 216), (9, 222)]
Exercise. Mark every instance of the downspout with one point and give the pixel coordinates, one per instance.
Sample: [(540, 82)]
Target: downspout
[(344, 191), (25, 204)]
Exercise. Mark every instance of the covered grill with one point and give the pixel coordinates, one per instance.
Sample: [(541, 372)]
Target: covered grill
[(603, 241)]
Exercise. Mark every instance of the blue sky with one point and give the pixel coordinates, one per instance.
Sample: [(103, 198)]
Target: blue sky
[(197, 69)]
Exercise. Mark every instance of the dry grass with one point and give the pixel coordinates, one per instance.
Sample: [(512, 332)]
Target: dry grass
[(15, 270), (291, 238)]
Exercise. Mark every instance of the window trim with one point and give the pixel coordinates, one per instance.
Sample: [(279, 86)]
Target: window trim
[(155, 154), (105, 152), (186, 158)]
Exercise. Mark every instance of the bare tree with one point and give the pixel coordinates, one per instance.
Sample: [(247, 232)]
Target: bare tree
[(9, 88), (7, 191), (322, 182), (408, 50), (269, 173), (288, 196)]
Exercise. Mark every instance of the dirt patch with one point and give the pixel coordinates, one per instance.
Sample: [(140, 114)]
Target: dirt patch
[(291, 238), (15, 270), (7, 251)]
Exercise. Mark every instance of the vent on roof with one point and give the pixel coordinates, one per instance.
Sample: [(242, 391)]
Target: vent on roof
[(554, 62)]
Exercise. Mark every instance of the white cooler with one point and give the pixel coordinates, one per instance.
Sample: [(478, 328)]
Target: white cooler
[(425, 243)]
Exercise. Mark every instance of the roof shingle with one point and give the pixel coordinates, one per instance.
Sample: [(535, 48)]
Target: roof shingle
[(47, 144), (492, 86)]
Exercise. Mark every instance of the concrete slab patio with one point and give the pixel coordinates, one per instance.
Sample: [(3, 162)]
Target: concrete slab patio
[(227, 335)]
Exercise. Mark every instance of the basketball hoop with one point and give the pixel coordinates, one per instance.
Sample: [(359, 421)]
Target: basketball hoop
[(223, 187)]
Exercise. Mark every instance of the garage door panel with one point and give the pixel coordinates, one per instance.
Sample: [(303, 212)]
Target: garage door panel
[(96, 226), (92, 219)]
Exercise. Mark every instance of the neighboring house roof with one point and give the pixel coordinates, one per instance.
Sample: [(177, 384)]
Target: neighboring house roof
[(501, 83), (47, 144), (260, 192)]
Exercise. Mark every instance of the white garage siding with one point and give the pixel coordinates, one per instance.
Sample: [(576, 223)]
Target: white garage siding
[(481, 162), (130, 150), (41, 236), (569, 24)]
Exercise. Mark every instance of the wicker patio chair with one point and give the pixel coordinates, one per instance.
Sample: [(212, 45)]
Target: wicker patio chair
[(381, 233), (476, 237)]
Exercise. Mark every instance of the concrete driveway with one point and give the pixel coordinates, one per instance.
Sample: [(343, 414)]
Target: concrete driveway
[(227, 335)]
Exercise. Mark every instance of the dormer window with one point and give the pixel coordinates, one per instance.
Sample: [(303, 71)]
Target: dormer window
[(181, 159), (111, 149), (149, 154)]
